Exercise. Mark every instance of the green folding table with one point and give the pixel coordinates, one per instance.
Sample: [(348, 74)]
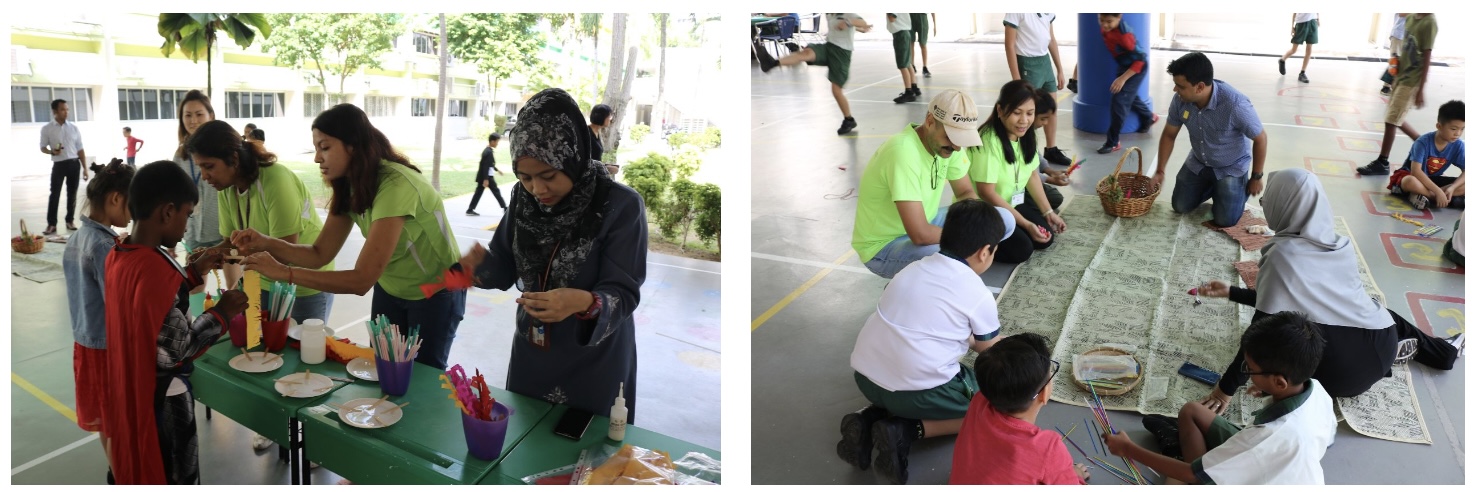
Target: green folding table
[(542, 450)]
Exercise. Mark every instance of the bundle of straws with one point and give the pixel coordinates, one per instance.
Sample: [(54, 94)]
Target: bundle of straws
[(1129, 474), (389, 344), (280, 299), (1428, 231), (478, 403)]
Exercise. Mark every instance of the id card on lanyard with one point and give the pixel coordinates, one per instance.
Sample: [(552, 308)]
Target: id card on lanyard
[(538, 331), (1017, 199)]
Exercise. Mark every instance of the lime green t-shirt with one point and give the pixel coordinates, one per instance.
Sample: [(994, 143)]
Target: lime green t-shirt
[(276, 205), (988, 166), (427, 246), (901, 170)]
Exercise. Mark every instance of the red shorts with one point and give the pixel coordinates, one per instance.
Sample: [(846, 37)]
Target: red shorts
[(91, 369), (1399, 175)]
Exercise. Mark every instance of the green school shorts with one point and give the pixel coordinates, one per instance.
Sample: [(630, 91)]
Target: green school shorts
[(835, 58), (1038, 71), (1220, 430), (949, 401), (902, 48), (1306, 32), (920, 28)]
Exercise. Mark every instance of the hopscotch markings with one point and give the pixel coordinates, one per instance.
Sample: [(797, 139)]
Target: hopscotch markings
[(1332, 168), (1418, 253), (1317, 121), (1450, 316), (1383, 204), (1359, 144)]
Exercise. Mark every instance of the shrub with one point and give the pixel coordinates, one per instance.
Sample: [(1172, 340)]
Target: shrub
[(713, 137), (639, 133), (649, 176), (501, 124)]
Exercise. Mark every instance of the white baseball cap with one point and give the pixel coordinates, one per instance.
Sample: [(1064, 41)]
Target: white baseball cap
[(960, 118)]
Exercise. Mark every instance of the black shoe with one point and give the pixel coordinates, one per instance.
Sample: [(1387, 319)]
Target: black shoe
[(1457, 202), (766, 61), (1302, 77), (855, 444), (1053, 155), (1071, 85), (916, 91), (1378, 167), (50, 231), (846, 126), (1109, 148), (1281, 66), (1386, 90), (926, 73), (793, 48), (473, 213), (1166, 431), (893, 437), (906, 97)]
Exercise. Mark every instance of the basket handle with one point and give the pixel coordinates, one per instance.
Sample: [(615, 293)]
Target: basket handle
[(25, 233), (1124, 157)]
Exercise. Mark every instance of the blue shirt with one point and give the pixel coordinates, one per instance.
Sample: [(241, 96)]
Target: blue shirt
[(1219, 134), (83, 264), (1436, 161)]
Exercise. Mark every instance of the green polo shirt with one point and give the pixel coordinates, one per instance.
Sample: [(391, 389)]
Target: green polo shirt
[(988, 165), (427, 246), (901, 170), (276, 205)]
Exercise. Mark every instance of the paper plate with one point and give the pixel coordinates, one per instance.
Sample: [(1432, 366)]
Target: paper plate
[(362, 414), (295, 386), (364, 369), (294, 331), (259, 362)]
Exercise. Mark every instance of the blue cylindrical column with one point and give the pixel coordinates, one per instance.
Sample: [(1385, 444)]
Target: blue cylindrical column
[(1092, 107)]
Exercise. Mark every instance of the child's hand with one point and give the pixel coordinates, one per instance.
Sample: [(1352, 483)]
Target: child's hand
[(1215, 288), (1442, 198), (1118, 444), (231, 303), (206, 260), (1081, 471), (1117, 84), (1057, 178)]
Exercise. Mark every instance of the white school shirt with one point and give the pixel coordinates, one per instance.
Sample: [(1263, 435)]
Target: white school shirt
[(1284, 446), (902, 22), (924, 322), (1304, 18), (67, 134), (1033, 33), (1458, 236), (844, 38)]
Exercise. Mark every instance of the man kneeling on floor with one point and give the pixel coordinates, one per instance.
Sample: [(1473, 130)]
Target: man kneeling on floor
[(906, 357), (1285, 443)]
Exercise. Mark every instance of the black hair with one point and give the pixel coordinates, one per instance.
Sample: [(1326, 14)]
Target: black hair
[(258, 135), (1045, 102), (599, 114), (217, 139), (970, 225), (1285, 343), (159, 183), (1013, 371), (1452, 111), (1195, 67), (1112, 15), (127, 129), (355, 191), (57, 102), (251, 126), (114, 177), (494, 137), (1013, 95)]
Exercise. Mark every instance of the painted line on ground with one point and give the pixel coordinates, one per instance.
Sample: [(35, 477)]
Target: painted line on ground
[(49, 456), (832, 266), (1445, 423), (802, 113), (45, 398), (759, 321)]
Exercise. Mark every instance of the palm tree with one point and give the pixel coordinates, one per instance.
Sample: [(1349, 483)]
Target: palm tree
[(194, 35)]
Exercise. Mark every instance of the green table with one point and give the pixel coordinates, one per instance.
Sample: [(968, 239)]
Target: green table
[(252, 399), (542, 450), (427, 446)]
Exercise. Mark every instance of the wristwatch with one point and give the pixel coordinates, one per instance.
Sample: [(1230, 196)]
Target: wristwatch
[(1256, 176)]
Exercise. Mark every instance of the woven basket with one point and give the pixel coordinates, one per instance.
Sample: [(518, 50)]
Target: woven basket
[(1110, 392), (1137, 189), (26, 243)]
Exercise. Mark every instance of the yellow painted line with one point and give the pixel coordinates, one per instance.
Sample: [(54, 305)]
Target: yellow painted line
[(45, 398), (492, 227), (757, 322), (1062, 97)]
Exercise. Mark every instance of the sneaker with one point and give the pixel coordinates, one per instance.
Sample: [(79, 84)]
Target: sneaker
[(915, 90), (1420, 202), (1071, 85), (473, 213), (50, 231), (1143, 128), (846, 126), (1385, 91), (1459, 342), (926, 73), (1281, 66), (1053, 155), (905, 97), (1406, 350), (893, 437), (855, 444), (1166, 431), (792, 46), (1379, 166), (766, 61), (1302, 77), (1396, 190), (260, 443), (1109, 148)]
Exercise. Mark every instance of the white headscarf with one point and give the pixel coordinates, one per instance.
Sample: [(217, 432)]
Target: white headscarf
[(1308, 267)]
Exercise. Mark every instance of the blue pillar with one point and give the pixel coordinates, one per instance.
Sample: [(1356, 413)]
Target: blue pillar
[(1091, 108)]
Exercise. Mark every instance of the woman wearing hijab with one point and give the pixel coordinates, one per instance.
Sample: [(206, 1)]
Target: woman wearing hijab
[(1309, 268), (574, 242)]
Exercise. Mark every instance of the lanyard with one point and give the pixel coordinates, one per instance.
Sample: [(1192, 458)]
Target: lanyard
[(543, 285), (194, 172), (246, 200)]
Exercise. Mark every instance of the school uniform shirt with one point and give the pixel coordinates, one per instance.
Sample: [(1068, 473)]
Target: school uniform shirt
[(1419, 35), (1033, 36), (1284, 445), (276, 205), (994, 448), (899, 23), (1436, 161), (65, 134), (987, 165), (426, 247), (1304, 18), (1220, 133), (1458, 236), (923, 324), (841, 38), (901, 170)]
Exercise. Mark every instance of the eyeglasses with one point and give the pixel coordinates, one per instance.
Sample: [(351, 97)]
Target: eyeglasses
[(1055, 368), (1245, 368)]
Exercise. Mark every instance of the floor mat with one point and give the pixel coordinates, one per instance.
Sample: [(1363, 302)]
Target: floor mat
[(1125, 281), (41, 267)]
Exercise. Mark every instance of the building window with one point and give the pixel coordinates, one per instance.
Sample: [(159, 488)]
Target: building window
[(422, 107), (148, 104), (379, 105), (253, 104), (425, 43), (313, 103), (33, 104), (456, 108)]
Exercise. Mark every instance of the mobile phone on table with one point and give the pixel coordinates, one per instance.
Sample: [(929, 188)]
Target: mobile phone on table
[(573, 424), (1200, 374)]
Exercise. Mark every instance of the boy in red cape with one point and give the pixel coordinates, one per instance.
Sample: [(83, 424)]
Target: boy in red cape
[(148, 417)]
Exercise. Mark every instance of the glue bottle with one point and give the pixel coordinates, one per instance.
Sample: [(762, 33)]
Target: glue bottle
[(314, 341), (617, 416)]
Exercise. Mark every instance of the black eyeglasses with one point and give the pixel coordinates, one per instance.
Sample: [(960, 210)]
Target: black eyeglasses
[(1245, 368), (1055, 367)]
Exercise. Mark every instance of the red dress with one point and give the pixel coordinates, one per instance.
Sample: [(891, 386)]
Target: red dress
[(90, 366)]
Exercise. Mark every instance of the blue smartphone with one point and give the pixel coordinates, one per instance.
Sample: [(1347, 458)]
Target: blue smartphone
[(1200, 374)]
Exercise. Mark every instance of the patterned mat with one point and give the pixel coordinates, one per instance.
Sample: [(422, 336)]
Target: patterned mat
[(41, 267), (1125, 281)]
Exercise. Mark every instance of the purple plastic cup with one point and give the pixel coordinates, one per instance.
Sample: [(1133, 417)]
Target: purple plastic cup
[(394, 377), (484, 438)]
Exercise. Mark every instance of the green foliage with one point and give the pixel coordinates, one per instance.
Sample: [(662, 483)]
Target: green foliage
[(688, 161), (676, 140), (194, 35), (649, 177), (690, 204), (500, 123), (498, 44), (480, 128), (709, 220), (639, 132), (332, 44), (713, 137)]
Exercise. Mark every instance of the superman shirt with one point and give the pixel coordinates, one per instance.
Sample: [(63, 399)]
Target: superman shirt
[(1436, 161)]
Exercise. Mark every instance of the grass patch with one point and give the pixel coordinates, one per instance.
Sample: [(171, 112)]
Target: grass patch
[(457, 173)]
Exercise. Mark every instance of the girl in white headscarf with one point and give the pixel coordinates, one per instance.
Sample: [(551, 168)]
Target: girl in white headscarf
[(1309, 268)]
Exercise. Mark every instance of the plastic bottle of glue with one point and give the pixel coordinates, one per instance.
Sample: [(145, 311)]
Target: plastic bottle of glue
[(617, 416)]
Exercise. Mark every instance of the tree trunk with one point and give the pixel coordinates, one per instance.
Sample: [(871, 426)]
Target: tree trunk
[(612, 83), (440, 108), (661, 80), (617, 108), (209, 66)]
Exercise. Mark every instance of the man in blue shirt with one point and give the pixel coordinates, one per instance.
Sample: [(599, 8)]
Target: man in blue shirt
[(1227, 146)]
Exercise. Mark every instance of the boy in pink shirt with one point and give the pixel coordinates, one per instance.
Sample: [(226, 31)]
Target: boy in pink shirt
[(134, 144), (999, 443)]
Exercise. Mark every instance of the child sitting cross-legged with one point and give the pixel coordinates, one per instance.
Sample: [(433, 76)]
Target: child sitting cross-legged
[(1285, 443), (1422, 180)]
